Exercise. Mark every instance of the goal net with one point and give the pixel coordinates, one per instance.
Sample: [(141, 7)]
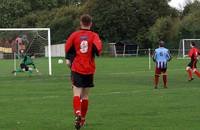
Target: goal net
[(15, 43), (184, 47), (123, 49)]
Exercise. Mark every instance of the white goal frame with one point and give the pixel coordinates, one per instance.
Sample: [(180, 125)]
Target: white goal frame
[(36, 29), (124, 50), (183, 46)]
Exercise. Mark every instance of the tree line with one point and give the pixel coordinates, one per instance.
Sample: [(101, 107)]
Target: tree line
[(141, 21)]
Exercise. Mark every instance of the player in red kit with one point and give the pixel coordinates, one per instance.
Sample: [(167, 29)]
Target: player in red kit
[(192, 66), (81, 48)]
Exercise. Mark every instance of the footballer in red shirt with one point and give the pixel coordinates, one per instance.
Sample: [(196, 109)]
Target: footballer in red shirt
[(81, 48), (192, 66)]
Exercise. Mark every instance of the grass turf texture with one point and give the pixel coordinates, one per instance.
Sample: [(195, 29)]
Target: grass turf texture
[(123, 99)]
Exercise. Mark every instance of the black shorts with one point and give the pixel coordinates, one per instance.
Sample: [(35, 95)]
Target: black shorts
[(23, 66), (193, 64), (82, 81)]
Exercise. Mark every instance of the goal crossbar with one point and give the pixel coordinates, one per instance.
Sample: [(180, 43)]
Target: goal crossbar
[(24, 29)]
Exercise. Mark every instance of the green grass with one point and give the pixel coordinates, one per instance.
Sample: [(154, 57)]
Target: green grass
[(123, 98)]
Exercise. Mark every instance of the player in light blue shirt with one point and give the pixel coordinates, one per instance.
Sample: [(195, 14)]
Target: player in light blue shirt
[(161, 57)]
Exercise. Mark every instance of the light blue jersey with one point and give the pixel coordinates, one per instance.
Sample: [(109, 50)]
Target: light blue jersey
[(161, 57)]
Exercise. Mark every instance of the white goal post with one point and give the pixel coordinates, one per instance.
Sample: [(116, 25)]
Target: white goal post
[(36, 30), (184, 47)]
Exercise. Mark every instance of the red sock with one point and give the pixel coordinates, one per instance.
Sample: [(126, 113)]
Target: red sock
[(197, 73), (77, 105), (165, 80), (156, 80), (84, 107), (190, 73)]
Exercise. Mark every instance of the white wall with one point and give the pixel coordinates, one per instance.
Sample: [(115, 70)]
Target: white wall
[(57, 50), (1, 55)]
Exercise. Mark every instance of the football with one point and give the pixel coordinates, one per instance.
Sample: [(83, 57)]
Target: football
[(60, 61)]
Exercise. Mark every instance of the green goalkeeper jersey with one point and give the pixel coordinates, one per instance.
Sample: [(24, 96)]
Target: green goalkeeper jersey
[(28, 61)]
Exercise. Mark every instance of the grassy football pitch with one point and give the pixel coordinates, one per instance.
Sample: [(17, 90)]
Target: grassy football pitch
[(123, 98)]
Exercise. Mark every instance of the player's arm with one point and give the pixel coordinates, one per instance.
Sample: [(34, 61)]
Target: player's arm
[(69, 50), (97, 45), (190, 53), (198, 55), (169, 56), (154, 56)]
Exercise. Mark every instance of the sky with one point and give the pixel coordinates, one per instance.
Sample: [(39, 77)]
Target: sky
[(179, 4)]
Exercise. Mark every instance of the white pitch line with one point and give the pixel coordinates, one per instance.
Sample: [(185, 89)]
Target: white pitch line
[(105, 73), (117, 93), (57, 96), (30, 98), (101, 94), (134, 72)]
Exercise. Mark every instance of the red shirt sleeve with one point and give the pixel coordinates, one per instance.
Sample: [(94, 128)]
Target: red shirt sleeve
[(195, 52), (69, 43), (190, 52), (98, 44)]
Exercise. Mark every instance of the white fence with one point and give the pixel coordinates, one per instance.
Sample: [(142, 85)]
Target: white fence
[(58, 50)]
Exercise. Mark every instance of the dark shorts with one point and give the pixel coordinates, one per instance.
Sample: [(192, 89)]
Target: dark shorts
[(81, 80), (193, 64), (23, 66), (159, 71)]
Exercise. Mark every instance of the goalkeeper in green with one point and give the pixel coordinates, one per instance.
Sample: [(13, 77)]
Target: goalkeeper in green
[(24, 65)]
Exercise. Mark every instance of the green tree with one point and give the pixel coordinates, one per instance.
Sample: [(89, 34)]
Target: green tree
[(62, 21), (11, 10), (128, 19), (41, 4), (115, 20), (167, 29), (172, 29), (190, 25), (191, 7), (70, 2)]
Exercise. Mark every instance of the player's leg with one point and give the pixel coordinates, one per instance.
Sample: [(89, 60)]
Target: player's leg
[(156, 79), (29, 70), (77, 100), (87, 84), (84, 104), (189, 70), (34, 67), (17, 71), (77, 90), (165, 79), (164, 75), (22, 69), (77, 106), (195, 69), (196, 72)]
